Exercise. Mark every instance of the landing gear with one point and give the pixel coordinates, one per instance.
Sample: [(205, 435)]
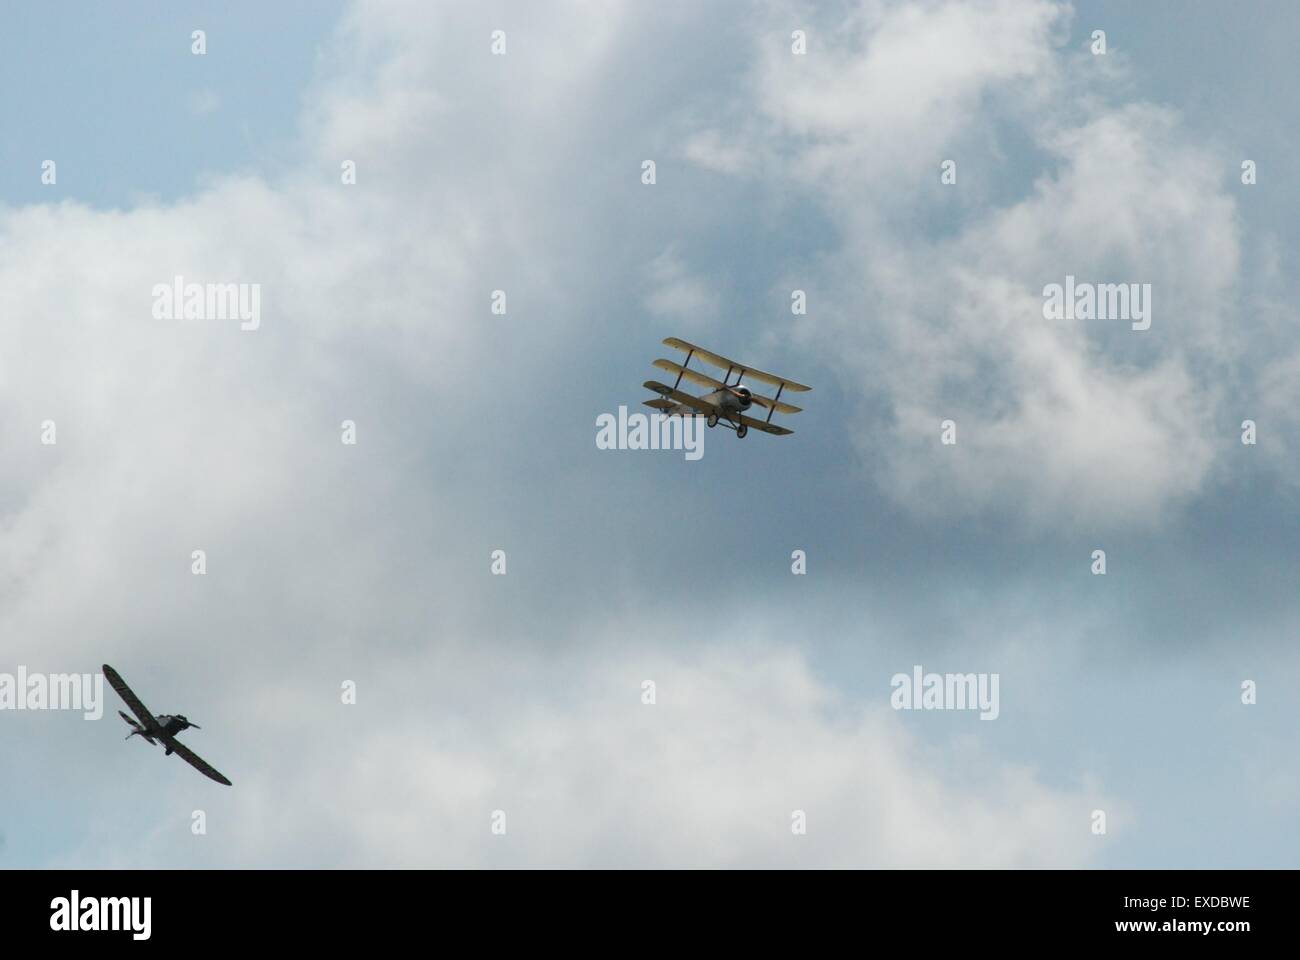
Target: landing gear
[(741, 431), (712, 421)]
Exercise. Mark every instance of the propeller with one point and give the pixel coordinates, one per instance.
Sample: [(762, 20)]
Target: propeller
[(743, 395)]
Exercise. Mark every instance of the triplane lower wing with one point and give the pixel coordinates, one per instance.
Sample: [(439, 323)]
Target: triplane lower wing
[(775, 429), (677, 397), (726, 400)]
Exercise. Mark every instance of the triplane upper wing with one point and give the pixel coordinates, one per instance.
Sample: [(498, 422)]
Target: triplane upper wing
[(731, 366)]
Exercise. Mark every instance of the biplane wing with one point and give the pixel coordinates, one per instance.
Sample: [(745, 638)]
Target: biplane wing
[(731, 366), (704, 380), (131, 700), (695, 403), (194, 760)]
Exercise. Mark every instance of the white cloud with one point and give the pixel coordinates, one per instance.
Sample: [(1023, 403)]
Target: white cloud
[(708, 149), (176, 435), (882, 90), (205, 101), (1058, 422), (677, 294), (741, 736)]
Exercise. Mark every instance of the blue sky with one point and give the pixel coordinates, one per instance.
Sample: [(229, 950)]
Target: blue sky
[(521, 693), (116, 95)]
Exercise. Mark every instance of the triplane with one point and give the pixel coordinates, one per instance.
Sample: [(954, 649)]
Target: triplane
[(725, 401)]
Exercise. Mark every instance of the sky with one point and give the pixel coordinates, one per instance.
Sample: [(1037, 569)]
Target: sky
[(500, 720)]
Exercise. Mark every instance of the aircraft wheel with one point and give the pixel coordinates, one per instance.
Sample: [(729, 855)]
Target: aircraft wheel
[(742, 430), (712, 421)]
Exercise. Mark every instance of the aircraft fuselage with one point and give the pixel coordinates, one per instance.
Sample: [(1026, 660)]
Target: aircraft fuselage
[(172, 725), (164, 725), (729, 401)]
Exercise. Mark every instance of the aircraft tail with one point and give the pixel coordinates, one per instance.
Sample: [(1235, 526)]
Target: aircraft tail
[(135, 728)]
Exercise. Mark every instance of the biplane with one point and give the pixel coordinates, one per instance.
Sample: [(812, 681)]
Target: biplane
[(725, 401), (160, 729)]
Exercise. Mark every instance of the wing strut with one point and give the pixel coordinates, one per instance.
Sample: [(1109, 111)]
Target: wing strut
[(681, 373), (772, 409)]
